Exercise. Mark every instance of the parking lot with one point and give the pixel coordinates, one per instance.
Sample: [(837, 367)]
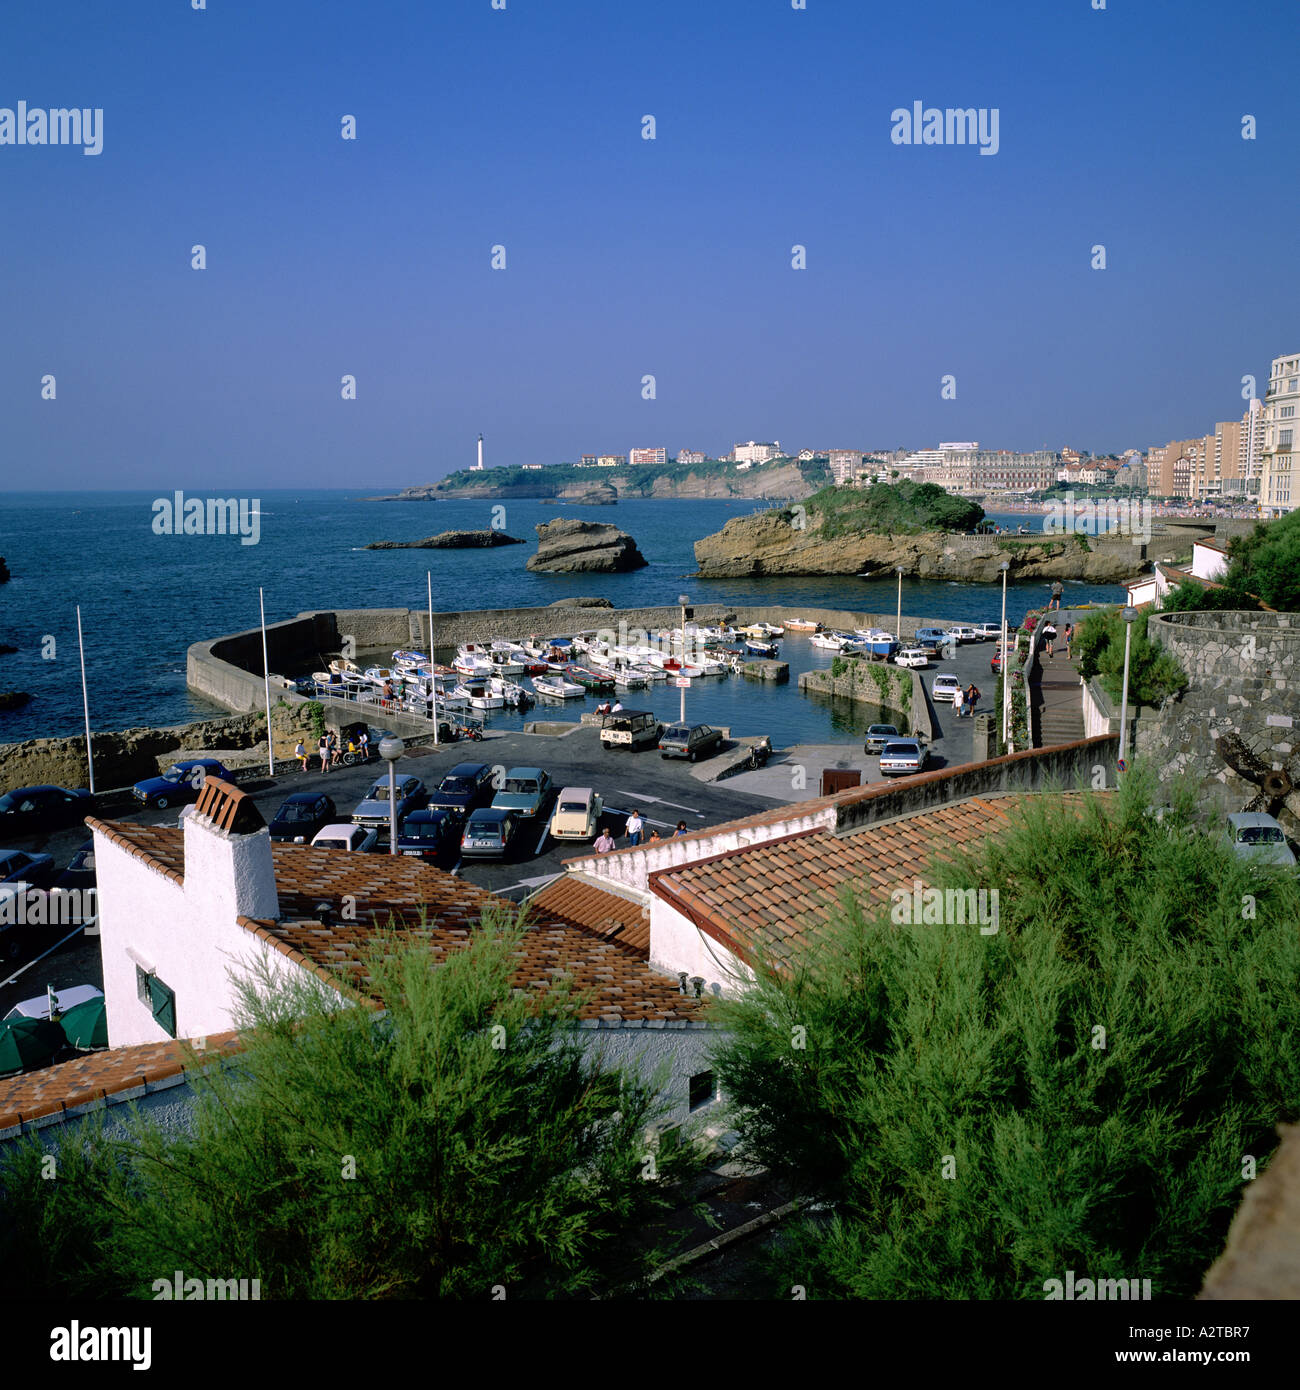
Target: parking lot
[(664, 791)]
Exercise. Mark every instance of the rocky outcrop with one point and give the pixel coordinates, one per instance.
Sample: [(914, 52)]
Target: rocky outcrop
[(785, 541), (585, 495), (569, 546), (451, 540), (13, 699), (4, 570), (6, 649)]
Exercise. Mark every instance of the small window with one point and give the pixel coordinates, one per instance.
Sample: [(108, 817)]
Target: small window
[(704, 1089)]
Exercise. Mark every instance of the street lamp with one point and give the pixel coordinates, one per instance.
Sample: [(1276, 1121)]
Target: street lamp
[(1129, 615), (683, 600), (1006, 702), (390, 749), (898, 625)]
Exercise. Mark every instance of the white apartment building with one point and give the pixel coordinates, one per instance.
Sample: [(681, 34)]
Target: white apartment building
[(845, 464), (653, 458), (753, 452), (1276, 494), (690, 456)]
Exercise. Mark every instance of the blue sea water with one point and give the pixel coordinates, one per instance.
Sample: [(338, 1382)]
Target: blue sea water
[(145, 597)]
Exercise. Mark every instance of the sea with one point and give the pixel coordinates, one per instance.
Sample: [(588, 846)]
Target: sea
[(145, 597)]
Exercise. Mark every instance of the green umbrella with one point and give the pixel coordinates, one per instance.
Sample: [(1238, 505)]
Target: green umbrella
[(85, 1025), (29, 1042)]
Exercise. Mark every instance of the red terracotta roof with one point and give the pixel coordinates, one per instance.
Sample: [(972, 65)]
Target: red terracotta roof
[(51, 1090), (610, 914), (773, 898), (162, 847)]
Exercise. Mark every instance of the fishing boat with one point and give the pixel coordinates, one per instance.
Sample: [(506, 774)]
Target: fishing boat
[(341, 666), (755, 646), (673, 667), (480, 694), (802, 625), (408, 661), (378, 675), (761, 630), (828, 641), (589, 680), (473, 660), (557, 688), (876, 640), (514, 695), (508, 658)]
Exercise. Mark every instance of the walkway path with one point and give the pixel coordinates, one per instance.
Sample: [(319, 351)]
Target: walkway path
[(1054, 691)]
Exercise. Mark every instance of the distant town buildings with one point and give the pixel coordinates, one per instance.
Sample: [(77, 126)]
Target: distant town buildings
[(967, 468), (648, 457), (611, 460), (690, 456), (587, 461), (846, 464)]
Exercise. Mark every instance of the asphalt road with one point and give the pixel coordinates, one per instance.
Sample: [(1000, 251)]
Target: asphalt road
[(663, 791)]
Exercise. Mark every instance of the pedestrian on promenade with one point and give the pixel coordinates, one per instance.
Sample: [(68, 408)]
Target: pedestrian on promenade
[(323, 748), (1057, 590), (681, 829), (1049, 638), (364, 740), (1069, 637), (635, 828), (604, 842), (301, 754), (654, 835), (333, 748)]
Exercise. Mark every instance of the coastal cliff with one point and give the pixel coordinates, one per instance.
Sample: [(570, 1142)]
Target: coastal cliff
[(774, 543)]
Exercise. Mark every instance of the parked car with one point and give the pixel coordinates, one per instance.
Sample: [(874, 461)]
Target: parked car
[(877, 736), (78, 886), (35, 870), (181, 783), (946, 687), (301, 816), (912, 656), (903, 756), (931, 637), (1259, 838), (689, 741), (356, 839), (466, 788), (987, 630), (488, 834), (525, 791), (577, 814), (374, 809), (42, 808), (430, 834), (965, 634), (630, 728)]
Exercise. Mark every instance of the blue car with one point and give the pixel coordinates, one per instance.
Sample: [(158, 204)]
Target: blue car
[(181, 783), (430, 834)]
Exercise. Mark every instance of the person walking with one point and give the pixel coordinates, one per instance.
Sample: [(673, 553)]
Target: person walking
[(364, 740), (323, 748), (1069, 637), (635, 828), (972, 696), (333, 749), (1049, 638), (301, 754), (604, 842)]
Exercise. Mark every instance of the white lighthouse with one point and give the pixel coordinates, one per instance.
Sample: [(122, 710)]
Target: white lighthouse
[(478, 467)]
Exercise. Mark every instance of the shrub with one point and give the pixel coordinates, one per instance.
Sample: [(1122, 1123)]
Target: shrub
[(1099, 650), (979, 1113)]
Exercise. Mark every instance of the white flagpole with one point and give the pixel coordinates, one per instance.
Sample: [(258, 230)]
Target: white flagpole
[(85, 702), (433, 679), (266, 680)]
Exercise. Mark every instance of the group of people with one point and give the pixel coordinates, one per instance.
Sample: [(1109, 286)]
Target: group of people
[(635, 828), (606, 708), (1050, 635), (966, 700), (329, 751)]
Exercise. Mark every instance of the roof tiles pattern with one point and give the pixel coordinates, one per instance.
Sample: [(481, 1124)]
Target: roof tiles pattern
[(612, 916)]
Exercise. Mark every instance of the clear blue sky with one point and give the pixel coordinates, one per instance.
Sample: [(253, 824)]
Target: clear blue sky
[(627, 256)]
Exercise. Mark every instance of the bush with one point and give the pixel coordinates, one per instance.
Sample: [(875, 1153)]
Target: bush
[(422, 1153), (1099, 651), (980, 1113)]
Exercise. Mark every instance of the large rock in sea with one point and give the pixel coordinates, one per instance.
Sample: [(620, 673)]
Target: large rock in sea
[(451, 540), (569, 546), (4, 570)]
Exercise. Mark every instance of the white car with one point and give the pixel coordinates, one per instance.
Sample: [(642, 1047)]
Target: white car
[(357, 839), (987, 630), (912, 656), (577, 814), (946, 687), (965, 634)]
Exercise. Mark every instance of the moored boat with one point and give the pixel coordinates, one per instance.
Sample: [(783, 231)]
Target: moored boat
[(557, 688)]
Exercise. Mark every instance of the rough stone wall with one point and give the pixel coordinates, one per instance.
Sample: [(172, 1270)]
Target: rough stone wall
[(1243, 671)]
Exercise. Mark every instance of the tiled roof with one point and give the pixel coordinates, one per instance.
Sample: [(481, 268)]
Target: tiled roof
[(612, 915), (773, 897), (162, 847), (97, 1075), (423, 903)]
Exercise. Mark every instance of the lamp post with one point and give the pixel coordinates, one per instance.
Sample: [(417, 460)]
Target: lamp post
[(433, 661), (1129, 615), (390, 749), (898, 623), (266, 678), (1006, 700), (683, 600)]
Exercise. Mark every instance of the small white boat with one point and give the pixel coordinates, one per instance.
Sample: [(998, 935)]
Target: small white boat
[(829, 641), (480, 695), (802, 625), (508, 658), (341, 666), (557, 688), (408, 661), (514, 695), (474, 660)]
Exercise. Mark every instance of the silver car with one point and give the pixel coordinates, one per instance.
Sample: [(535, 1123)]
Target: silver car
[(1259, 838)]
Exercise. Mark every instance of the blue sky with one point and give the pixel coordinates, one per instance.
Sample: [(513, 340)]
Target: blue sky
[(626, 256)]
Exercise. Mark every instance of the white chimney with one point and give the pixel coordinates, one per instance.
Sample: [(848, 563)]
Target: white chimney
[(228, 864)]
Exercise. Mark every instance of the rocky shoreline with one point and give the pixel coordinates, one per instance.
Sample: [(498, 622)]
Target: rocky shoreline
[(569, 546), (451, 540)]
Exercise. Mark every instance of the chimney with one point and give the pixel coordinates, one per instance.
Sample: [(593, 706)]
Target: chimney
[(228, 863)]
